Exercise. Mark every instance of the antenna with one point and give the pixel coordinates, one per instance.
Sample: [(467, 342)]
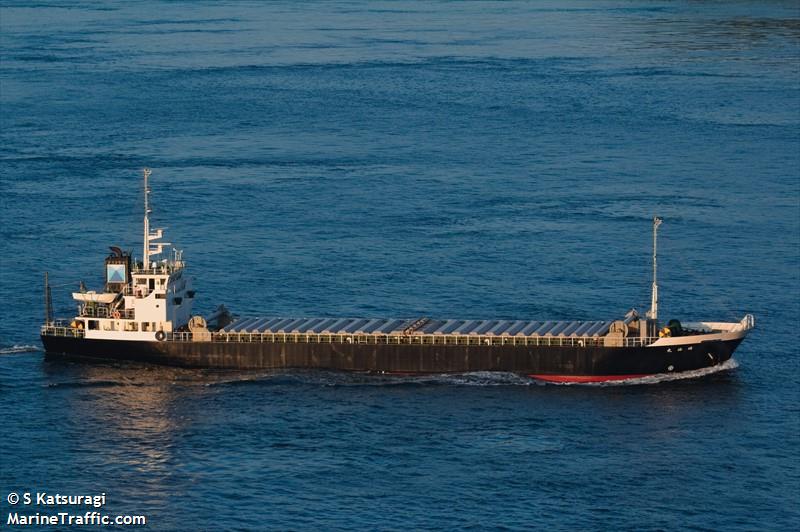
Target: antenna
[(146, 257), (653, 312)]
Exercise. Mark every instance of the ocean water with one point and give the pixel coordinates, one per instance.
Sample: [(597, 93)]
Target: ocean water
[(444, 159)]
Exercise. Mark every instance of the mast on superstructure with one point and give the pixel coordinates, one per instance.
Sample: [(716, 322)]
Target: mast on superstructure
[(157, 247), (653, 312), (146, 247)]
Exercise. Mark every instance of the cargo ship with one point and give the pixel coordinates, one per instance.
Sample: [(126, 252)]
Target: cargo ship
[(144, 314)]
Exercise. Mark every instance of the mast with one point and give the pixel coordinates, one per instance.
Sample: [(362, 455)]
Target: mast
[(146, 250), (48, 300), (653, 313)]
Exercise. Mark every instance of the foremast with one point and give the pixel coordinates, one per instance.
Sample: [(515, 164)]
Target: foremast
[(653, 312)]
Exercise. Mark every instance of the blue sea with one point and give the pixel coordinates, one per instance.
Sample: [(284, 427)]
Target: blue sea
[(442, 159)]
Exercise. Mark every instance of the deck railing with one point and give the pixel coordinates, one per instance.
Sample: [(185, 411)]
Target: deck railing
[(160, 269), (413, 339), (62, 329), (105, 312), (58, 328)]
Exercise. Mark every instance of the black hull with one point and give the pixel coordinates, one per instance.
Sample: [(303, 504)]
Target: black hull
[(557, 363)]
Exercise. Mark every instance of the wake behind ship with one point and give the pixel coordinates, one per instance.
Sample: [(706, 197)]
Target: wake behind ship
[(144, 313)]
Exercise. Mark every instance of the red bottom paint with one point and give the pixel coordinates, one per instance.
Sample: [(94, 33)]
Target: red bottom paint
[(587, 378)]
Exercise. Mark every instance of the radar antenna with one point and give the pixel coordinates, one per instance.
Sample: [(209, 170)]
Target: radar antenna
[(653, 312)]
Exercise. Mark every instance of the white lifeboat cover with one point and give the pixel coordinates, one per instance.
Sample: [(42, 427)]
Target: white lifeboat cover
[(94, 297)]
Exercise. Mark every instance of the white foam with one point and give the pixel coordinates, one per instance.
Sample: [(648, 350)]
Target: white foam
[(664, 377), (19, 349), (476, 378)]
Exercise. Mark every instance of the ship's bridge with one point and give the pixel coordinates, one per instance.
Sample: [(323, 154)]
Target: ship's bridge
[(158, 276)]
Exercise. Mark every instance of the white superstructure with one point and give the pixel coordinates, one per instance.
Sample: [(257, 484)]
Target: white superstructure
[(141, 301)]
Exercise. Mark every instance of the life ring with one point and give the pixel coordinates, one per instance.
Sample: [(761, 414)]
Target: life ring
[(115, 314), (161, 336)]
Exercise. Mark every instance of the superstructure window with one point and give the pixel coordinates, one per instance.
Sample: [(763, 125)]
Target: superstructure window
[(94, 325)]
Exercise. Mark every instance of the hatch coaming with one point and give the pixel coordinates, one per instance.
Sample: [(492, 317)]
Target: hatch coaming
[(419, 327)]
